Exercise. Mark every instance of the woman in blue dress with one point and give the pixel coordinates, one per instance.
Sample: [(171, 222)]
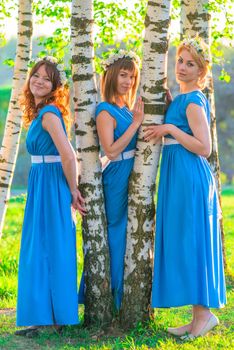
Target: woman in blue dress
[(47, 281), (117, 129), (188, 264)]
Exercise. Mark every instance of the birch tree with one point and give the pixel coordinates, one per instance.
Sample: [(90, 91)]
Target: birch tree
[(141, 210), (98, 299), (11, 137), (195, 18)]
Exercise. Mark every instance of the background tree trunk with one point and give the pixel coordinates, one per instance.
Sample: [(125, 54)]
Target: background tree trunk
[(98, 299), (195, 18), (10, 143), (141, 211)]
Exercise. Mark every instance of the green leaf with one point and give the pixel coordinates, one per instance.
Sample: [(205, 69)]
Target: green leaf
[(9, 62)]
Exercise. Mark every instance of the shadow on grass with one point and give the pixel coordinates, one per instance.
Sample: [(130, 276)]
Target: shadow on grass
[(79, 337)]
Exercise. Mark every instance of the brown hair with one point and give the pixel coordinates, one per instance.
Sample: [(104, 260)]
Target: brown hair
[(109, 81), (59, 96), (198, 57)]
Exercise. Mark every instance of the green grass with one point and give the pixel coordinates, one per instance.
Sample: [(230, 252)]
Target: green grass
[(149, 336)]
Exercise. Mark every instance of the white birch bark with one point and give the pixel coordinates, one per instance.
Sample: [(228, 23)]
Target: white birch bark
[(98, 300), (195, 18), (141, 210), (11, 138)]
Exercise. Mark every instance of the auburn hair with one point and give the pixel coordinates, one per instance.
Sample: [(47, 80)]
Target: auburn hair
[(198, 58), (59, 96), (109, 81)]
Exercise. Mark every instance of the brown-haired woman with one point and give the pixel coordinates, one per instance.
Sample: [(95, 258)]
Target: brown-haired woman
[(117, 129), (47, 284), (188, 265)]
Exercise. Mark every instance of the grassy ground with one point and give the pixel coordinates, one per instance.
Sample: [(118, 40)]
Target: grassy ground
[(149, 336)]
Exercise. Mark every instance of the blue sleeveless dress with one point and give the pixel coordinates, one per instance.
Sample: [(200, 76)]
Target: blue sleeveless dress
[(188, 263), (115, 185), (47, 281)]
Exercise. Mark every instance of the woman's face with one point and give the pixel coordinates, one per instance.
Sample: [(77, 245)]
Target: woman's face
[(186, 69), (125, 81), (40, 84)]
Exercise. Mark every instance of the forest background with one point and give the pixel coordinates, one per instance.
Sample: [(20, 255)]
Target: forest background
[(54, 16)]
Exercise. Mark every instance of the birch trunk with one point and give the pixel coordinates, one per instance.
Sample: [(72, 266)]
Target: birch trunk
[(98, 299), (141, 211), (11, 138), (195, 18)]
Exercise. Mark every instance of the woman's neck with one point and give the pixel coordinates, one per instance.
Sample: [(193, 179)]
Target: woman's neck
[(188, 87), (119, 100), (37, 101)]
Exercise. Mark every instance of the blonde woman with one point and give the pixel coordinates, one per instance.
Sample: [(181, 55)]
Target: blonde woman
[(188, 265)]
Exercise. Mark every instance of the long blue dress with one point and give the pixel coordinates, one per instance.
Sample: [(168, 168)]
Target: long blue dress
[(115, 184), (47, 284), (188, 264)]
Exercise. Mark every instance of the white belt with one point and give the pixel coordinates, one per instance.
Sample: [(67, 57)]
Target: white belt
[(169, 141), (45, 159), (124, 155)]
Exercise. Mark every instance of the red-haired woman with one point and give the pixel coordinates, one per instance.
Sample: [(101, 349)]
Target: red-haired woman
[(47, 285), (188, 267)]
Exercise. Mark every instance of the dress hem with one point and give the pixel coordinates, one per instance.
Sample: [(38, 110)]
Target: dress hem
[(28, 324), (220, 306)]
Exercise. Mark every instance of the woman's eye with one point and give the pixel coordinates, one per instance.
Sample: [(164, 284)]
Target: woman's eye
[(180, 60), (190, 64)]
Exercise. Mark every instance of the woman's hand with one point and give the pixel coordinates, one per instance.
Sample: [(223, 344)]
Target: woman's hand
[(138, 111), (78, 201), (156, 132)]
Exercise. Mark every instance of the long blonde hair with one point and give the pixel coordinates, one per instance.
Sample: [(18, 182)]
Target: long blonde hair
[(59, 96), (109, 81)]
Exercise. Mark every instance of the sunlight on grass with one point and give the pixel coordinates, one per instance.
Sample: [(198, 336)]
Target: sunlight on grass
[(153, 335)]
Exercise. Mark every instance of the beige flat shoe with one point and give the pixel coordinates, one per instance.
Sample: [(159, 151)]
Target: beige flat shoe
[(188, 337), (211, 323), (177, 330)]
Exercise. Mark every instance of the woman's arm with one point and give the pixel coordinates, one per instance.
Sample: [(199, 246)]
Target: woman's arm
[(199, 143), (53, 125), (106, 125)]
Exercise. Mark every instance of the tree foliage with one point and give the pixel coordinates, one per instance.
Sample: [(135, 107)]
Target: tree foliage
[(118, 23)]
